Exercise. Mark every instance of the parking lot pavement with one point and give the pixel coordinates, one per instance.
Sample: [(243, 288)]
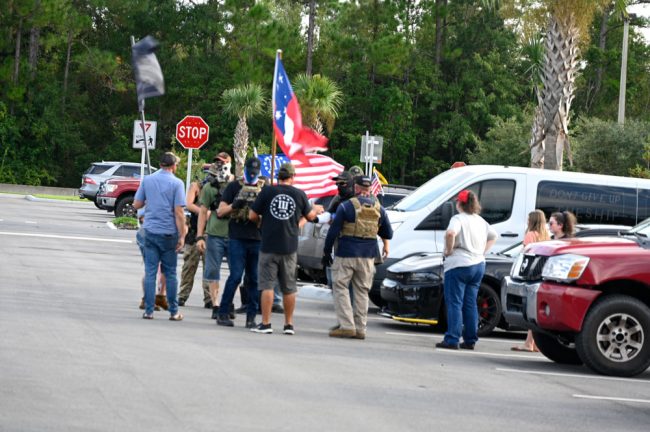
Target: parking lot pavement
[(76, 355)]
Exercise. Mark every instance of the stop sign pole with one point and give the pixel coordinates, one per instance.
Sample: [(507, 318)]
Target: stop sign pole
[(192, 132)]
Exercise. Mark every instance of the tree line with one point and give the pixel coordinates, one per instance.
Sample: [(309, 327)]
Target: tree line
[(440, 80)]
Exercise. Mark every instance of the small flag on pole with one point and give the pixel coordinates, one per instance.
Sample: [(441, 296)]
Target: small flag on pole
[(375, 186), (294, 139), (149, 79)]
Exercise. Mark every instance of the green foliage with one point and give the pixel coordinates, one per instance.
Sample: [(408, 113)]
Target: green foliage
[(605, 147), (125, 222), (375, 63), (506, 143)]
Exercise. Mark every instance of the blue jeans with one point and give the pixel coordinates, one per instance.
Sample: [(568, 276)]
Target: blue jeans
[(216, 249), (242, 255), (160, 249), (461, 290)]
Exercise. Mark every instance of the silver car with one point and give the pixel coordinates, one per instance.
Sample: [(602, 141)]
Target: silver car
[(102, 171)]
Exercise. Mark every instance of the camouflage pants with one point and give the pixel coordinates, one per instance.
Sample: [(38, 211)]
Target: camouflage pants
[(191, 258)]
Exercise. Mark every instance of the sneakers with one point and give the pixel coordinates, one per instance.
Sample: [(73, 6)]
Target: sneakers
[(250, 322), (263, 328), (466, 346), (445, 345), (147, 316), (224, 320), (288, 329), (208, 304), (215, 312), (242, 309), (342, 333), (277, 308), (360, 335), (181, 302), (161, 301)]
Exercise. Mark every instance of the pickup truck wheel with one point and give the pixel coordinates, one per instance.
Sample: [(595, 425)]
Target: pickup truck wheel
[(489, 309), (614, 337), (556, 350), (124, 207)]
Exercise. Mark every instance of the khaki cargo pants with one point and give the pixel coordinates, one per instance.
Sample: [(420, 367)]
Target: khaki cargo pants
[(360, 272)]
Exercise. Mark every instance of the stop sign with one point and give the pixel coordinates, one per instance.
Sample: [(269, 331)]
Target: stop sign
[(192, 132)]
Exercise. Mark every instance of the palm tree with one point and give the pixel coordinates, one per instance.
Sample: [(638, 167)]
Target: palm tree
[(566, 24), (244, 101), (320, 99)]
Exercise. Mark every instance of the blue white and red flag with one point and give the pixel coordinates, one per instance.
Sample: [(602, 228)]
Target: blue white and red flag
[(294, 139), (376, 187)]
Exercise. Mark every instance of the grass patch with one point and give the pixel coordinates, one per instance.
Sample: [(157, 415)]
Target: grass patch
[(60, 197), (126, 222)]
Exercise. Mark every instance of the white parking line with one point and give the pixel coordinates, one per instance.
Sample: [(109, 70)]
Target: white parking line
[(608, 398), (506, 341), (65, 237), (488, 354), (31, 222), (596, 377)]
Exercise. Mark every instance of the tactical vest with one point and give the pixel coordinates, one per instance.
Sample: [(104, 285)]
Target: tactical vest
[(366, 220), (247, 193)]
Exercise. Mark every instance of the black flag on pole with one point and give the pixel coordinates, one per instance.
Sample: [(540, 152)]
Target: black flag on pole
[(149, 79)]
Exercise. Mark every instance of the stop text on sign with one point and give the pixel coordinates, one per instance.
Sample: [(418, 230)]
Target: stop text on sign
[(192, 132)]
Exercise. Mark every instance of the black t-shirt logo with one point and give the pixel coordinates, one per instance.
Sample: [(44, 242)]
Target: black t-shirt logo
[(282, 207)]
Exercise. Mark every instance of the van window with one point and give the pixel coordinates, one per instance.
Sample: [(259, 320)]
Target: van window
[(644, 204), (591, 203), (496, 198), (431, 190)]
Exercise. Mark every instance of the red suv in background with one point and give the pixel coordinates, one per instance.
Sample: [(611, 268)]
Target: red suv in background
[(116, 194), (587, 300)]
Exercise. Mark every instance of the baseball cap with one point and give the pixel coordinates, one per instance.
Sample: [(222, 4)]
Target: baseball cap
[(343, 177), (169, 159), (223, 157), (355, 171), (286, 170), (362, 181)]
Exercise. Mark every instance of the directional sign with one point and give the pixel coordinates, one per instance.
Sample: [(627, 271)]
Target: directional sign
[(192, 132), (371, 149), (138, 137)]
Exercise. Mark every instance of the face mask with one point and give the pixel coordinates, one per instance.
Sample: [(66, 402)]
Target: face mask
[(251, 175), (223, 171), (345, 191)]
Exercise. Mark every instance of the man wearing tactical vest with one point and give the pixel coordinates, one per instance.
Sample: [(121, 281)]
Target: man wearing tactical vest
[(215, 245), (356, 224), (243, 240)]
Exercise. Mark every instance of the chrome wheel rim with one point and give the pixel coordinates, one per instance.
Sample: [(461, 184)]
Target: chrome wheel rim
[(620, 337)]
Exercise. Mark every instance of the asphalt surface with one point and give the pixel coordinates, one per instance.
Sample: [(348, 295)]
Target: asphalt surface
[(75, 355)]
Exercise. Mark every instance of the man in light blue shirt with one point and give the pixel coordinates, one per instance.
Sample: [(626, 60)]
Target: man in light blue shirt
[(164, 229)]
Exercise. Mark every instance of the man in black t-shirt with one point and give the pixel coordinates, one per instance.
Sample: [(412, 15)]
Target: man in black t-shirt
[(243, 240), (280, 209)]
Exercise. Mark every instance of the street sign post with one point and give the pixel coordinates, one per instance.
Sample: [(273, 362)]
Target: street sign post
[(192, 132), (371, 150), (139, 137)]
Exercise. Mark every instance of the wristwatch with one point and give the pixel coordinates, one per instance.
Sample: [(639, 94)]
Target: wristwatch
[(200, 238)]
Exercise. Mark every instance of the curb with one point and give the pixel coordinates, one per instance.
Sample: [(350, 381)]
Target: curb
[(36, 199)]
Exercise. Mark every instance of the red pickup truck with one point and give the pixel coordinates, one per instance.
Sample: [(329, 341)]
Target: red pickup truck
[(587, 300), (116, 194)]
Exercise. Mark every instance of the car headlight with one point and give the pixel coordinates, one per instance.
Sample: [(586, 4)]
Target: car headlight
[(565, 268), (422, 277), (110, 188)]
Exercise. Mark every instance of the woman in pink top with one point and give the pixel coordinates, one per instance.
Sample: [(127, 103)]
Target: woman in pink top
[(535, 232)]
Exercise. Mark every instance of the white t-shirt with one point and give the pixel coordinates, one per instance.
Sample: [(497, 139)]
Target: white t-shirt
[(472, 234)]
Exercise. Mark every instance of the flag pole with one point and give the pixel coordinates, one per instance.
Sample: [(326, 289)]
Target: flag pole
[(273, 139), (142, 124)]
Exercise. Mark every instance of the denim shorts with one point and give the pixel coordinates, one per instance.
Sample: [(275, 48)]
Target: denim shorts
[(216, 250)]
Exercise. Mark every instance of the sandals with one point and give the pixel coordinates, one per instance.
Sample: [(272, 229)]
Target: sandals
[(147, 316), (523, 349), (177, 317)]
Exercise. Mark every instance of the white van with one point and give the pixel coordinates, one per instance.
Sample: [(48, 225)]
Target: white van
[(507, 195)]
